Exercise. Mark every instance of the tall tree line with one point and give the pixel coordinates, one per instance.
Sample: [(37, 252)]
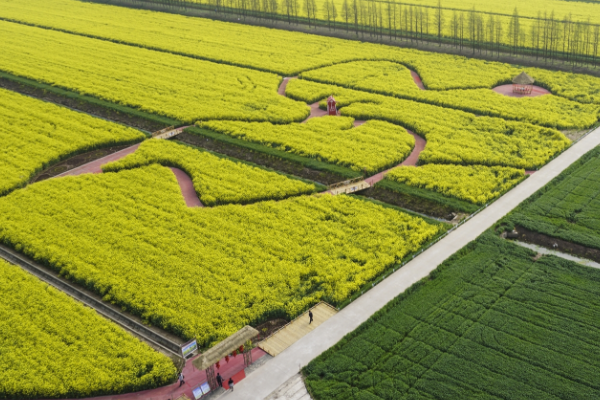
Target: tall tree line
[(547, 36)]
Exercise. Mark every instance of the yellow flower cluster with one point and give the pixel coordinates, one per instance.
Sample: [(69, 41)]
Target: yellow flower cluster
[(165, 84), (54, 347), (370, 147), (217, 180), (453, 136), (204, 272), (35, 134), (476, 184), (283, 52), (394, 79)]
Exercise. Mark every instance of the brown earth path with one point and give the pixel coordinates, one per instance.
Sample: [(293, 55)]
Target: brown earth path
[(95, 167), (417, 80), (411, 160)]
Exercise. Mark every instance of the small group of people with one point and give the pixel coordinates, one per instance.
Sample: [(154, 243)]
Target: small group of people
[(181, 378), (220, 381)]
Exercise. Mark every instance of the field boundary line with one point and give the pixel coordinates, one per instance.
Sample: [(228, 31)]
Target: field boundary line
[(268, 378), (153, 338)]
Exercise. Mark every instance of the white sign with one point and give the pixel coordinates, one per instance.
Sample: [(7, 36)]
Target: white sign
[(201, 390), (189, 348), (197, 393)]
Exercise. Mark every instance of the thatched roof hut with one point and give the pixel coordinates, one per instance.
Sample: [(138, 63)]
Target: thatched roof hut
[(523, 79), (226, 347)]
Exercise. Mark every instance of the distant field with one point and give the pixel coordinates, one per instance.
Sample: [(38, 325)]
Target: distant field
[(278, 51), (491, 323)]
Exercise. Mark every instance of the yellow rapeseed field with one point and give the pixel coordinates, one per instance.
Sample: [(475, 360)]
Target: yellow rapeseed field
[(370, 147), (55, 347), (476, 184), (165, 84), (205, 272), (217, 180), (35, 134), (453, 136), (279, 51)]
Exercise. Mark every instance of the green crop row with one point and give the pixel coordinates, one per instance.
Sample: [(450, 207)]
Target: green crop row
[(568, 207), (453, 203), (489, 323)]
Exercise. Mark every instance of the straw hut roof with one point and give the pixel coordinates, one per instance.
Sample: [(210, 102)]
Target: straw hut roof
[(227, 346), (523, 79)]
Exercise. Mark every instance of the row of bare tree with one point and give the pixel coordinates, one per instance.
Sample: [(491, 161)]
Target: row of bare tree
[(546, 36)]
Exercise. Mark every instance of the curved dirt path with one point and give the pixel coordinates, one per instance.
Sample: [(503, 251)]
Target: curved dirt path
[(95, 167), (417, 79), (411, 160)]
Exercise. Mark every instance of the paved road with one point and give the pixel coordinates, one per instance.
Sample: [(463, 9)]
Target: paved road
[(278, 370)]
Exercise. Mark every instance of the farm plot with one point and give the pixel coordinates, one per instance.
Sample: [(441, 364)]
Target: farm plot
[(286, 53), (569, 207), (35, 134), (217, 180), (475, 184), (491, 323), (54, 347), (453, 136), (206, 272), (395, 80), (370, 147), (165, 84)]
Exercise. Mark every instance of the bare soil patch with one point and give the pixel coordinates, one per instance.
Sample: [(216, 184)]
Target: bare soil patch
[(82, 106), (417, 204), (574, 135), (326, 178), (266, 329), (76, 161), (552, 243)]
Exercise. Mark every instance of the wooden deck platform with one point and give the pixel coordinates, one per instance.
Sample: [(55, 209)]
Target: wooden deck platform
[(290, 333)]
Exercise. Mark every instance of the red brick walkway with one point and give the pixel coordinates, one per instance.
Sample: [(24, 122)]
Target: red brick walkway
[(193, 378), (95, 167)]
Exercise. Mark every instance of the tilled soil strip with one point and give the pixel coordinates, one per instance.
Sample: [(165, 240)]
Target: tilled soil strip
[(552, 243)]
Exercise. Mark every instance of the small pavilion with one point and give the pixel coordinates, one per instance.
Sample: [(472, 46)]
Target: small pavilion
[(233, 343), (523, 84)]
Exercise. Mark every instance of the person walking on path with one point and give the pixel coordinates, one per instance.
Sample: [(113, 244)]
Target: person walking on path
[(219, 379), (180, 377), (230, 383), (310, 315)]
